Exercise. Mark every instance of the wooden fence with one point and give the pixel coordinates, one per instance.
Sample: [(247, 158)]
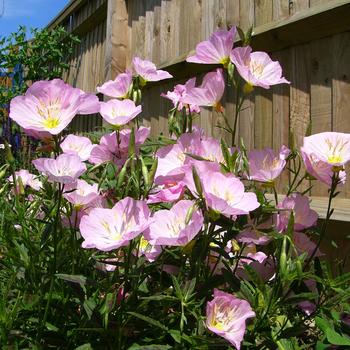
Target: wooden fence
[(311, 39)]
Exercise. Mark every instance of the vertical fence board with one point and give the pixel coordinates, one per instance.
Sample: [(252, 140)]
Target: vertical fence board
[(263, 12), (341, 91)]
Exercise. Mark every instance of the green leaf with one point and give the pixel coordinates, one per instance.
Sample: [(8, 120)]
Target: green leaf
[(86, 346), (149, 320), (337, 339), (149, 347), (79, 279)]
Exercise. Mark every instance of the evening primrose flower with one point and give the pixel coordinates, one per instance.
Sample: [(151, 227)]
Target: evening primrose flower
[(216, 50), (210, 92), (169, 227), (148, 71), (117, 113), (266, 165), (65, 169), (49, 106), (108, 229), (117, 88), (225, 194), (304, 216), (332, 148), (227, 315), (78, 145), (257, 68), (83, 194), (27, 179)]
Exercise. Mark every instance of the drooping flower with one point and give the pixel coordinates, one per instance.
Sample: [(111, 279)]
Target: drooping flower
[(257, 68), (259, 262), (117, 88), (65, 169), (89, 103), (209, 93), (117, 113), (108, 229), (332, 148), (82, 194), (266, 165), (227, 315), (49, 106), (169, 227), (176, 96), (108, 149), (217, 49), (304, 216), (225, 194), (27, 179), (252, 236), (148, 71), (304, 244), (78, 145)]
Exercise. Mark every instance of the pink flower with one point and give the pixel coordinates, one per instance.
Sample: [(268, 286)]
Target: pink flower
[(83, 194), (227, 315), (321, 170), (304, 244), (27, 179), (251, 236), (148, 71), (260, 263), (109, 151), (49, 106), (78, 145), (215, 50), (108, 229), (169, 227), (117, 88), (304, 217), (116, 112), (169, 189), (89, 103), (257, 68), (177, 95), (225, 194), (151, 252), (266, 165), (209, 93), (332, 148), (65, 169)]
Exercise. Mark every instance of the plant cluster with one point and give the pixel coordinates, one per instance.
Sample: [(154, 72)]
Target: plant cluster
[(173, 243)]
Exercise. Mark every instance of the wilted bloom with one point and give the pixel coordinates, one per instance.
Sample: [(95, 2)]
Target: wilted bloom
[(78, 145), (227, 315), (83, 194), (209, 93), (225, 194), (176, 96), (65, 169), (304, 216), (148, 71), (49, 106), (39, 135), (257, 68), (169, 227), (109, 150), (332, 148), (116, 112), (108, 229), (27, 179), (89, 103), (117, 88), (215, 50), (266, 165)]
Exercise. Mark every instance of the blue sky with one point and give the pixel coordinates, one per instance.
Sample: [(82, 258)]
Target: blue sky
[(31, 13)]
